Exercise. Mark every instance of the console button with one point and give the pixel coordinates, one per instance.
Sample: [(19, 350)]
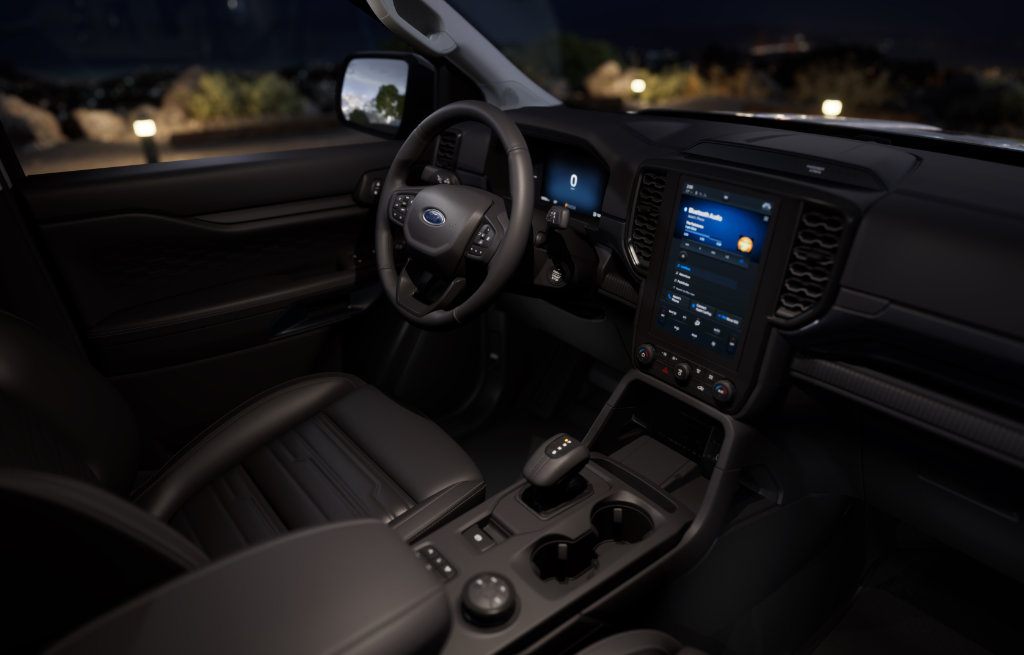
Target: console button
[(682, 373), (478, 538), (722, 391), (436, 562)]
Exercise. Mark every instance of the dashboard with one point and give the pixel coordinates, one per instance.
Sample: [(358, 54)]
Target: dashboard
[(751, 256), (876, 274)]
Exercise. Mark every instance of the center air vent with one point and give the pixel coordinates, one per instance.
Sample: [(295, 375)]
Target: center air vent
[(811, 262), (447, 155), (646, 213)]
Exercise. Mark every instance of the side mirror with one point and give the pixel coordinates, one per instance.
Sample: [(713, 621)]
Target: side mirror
[(386, 93)]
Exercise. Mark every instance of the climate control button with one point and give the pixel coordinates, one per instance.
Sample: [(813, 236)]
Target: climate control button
[(644, 354), (722, 391)]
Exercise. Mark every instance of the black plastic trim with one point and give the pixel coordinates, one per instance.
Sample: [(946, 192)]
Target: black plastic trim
[(965, 424)]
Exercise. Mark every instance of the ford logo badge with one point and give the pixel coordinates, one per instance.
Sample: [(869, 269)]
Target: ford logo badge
[(433, 217)]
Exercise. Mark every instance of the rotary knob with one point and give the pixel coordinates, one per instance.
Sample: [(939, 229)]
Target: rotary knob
[(488, 600), (644, 354)]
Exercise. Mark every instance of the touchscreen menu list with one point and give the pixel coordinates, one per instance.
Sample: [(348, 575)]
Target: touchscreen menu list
[(712, 267)]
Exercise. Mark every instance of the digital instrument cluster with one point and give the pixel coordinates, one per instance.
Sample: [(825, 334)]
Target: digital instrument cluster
[(575, 182)]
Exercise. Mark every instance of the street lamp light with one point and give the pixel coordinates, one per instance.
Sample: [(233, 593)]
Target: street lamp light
[(637, 85), (832, 107), (145, 129)]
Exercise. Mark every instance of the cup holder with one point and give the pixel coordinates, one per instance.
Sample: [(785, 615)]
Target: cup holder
[(563, 560), (621, 522)]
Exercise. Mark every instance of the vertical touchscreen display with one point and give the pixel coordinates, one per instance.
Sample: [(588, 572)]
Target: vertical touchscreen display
[(712, 267)]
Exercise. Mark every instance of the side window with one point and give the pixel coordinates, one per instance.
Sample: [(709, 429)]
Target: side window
[(96, 83)]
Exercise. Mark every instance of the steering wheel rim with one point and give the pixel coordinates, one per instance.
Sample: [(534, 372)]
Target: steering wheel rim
[(509, 249)]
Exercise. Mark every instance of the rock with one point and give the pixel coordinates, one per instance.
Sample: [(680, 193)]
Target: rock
[(29, 124), (177, 95), (606, 81), (103, 126)]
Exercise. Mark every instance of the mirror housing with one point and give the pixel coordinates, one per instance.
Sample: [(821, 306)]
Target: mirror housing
[(386, 93)]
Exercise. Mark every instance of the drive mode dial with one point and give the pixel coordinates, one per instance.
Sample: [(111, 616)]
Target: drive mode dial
[(488, 600)]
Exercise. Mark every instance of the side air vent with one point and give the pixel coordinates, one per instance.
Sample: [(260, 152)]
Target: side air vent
[(811, 262), (447, 156), (646, 213)]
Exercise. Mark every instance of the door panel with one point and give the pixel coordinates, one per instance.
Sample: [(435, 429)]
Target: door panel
[(198, 284), (143, 278)]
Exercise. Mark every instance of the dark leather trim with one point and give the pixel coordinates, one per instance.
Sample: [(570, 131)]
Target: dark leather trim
[(638, 642), (105, 508), (438, 509), (223, 445)]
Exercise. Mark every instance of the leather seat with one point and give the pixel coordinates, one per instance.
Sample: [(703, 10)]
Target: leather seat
[(639, 642), (322, 448)]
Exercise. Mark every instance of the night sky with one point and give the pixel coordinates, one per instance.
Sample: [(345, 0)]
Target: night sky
[(982, 33), (82, 38)]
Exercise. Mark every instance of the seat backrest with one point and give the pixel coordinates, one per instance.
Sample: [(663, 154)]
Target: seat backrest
[(71, 550), (58, 414)]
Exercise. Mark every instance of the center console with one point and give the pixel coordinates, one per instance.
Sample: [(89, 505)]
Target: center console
[(516, 570), (533, 568)]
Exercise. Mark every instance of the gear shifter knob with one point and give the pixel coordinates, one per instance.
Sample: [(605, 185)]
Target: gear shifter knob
[(555, 460)]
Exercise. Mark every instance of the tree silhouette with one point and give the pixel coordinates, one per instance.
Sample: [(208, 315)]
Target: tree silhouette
[(389, 102), (359, 117)]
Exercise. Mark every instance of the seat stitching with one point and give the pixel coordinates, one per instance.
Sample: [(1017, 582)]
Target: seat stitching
[(340, 484), (269, 513), (280, 444), (340, 441), (216, 494), (374, 471)]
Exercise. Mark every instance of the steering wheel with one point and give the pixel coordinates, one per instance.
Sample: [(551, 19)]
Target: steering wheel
[(447, 225)]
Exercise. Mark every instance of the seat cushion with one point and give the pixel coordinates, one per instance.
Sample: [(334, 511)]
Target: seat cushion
[(361, 455)]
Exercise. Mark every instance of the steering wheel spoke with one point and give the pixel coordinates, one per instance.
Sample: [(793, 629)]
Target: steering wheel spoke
[(400, 201)]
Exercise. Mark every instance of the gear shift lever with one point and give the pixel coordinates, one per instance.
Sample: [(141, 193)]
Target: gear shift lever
[(551, 472), (555, 461)]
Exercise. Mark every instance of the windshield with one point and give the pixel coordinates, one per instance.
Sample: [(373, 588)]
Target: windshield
[(913, 64)]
